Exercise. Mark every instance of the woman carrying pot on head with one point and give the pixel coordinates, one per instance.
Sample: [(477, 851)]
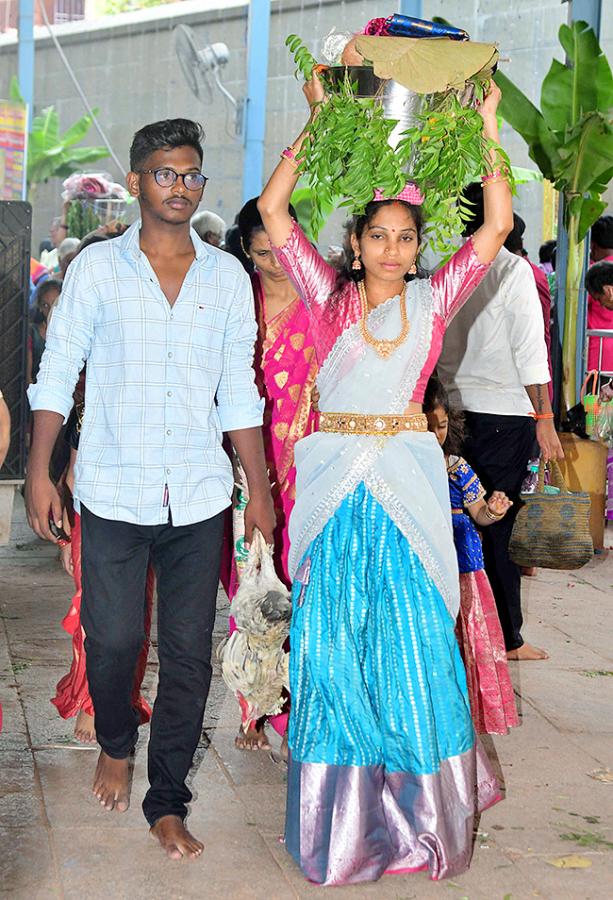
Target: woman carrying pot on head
[(385, 771), (286, 368)]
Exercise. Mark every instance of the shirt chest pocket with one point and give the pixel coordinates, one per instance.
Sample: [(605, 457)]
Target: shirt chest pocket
[(206, 335)]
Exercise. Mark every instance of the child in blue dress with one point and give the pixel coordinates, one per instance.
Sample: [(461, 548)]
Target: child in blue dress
[(478, 628)]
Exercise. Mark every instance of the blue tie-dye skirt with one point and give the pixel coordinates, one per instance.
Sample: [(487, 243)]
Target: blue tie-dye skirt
[(385, 772)]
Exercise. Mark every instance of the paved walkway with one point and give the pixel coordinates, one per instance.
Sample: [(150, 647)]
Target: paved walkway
[(56, 841)]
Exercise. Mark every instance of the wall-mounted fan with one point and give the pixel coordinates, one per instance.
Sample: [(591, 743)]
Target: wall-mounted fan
[(201, 67)]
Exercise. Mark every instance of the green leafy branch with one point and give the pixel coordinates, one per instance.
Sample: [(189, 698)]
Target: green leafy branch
[(347, 153), (447, 150), (305, 61)]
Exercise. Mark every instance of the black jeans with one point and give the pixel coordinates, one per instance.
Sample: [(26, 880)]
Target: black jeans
[(186, 561), (498, 448)]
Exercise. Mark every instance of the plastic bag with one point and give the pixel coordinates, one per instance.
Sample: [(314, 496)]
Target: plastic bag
[(333, 45), (604, 422), (253, 661), (591, 403)]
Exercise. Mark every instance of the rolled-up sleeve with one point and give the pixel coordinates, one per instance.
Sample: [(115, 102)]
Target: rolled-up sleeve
[(526, 328), (239, 404), (68, 341)]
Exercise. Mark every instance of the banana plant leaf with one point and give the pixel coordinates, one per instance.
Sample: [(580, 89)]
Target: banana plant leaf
[(77, 132), (50, 153), (591, 210), (427, 65), (586, 154), (586, 84), (528, 121), (522, 175), (45, 132), (571, 141), (14, 92)]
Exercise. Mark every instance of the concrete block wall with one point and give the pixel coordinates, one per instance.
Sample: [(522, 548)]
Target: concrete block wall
[(128, 68)]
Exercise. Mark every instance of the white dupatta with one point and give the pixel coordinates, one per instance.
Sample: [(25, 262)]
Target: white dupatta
[(405, 472)]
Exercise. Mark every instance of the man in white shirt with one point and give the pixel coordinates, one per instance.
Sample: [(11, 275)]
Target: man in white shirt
[(166, 324), (494, 366)]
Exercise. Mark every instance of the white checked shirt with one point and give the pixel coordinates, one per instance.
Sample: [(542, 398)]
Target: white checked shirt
[(162, 382)]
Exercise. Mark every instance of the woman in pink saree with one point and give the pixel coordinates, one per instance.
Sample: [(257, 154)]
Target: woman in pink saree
[(285, 372)]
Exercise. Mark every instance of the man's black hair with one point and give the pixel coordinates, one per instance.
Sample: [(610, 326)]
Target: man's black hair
[(514, 240), (546, 251), (602, 232), (165, 135), (598, 277)]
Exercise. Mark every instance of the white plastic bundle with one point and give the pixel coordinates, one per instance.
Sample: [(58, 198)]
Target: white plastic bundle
[(333, 45), (253, 661)]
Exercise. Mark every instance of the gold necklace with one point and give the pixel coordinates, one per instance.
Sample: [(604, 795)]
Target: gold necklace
[(384, 348)]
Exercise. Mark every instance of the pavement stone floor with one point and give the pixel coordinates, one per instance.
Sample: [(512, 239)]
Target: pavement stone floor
[(56, 842)]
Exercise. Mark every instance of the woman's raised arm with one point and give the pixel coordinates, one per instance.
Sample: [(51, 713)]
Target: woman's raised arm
[(274, 200), (497, 205)]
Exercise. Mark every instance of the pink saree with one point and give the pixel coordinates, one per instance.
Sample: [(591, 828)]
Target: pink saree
[(286, 369), (286, 372)]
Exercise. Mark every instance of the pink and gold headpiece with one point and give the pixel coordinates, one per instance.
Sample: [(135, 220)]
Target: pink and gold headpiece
[(410, 194)]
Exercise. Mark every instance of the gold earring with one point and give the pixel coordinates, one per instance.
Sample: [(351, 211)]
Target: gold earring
[(413, 269), (356, 265)]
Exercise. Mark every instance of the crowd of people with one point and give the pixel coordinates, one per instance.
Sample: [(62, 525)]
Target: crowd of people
[(372, 420)]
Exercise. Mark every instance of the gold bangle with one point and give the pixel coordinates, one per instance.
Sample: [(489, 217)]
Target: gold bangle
[(293, 163), (492, 516), (495, 180)]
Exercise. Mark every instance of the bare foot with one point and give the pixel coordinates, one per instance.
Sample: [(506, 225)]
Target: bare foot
[(527, 651), (175, 839), (251, 739), (529, 571), (111, 783), (84, 730)]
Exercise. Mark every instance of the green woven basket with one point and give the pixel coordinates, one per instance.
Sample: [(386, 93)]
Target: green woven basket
[(552, 531)]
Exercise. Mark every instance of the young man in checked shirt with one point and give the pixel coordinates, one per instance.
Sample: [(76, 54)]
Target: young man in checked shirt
[(167, 328)]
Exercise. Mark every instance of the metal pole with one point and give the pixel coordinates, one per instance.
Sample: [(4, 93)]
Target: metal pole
[(589, 11), (411, 8), (255, 107), (25, 60), (25, 66)]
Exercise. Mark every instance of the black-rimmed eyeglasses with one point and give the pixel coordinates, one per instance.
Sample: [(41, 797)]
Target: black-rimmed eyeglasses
[(193, 181)]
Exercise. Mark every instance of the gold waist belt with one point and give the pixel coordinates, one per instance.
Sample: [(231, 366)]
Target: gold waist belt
[(353, 423)]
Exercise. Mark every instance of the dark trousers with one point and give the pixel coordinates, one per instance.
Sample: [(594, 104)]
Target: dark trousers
[(498, 449), (186, 562)]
